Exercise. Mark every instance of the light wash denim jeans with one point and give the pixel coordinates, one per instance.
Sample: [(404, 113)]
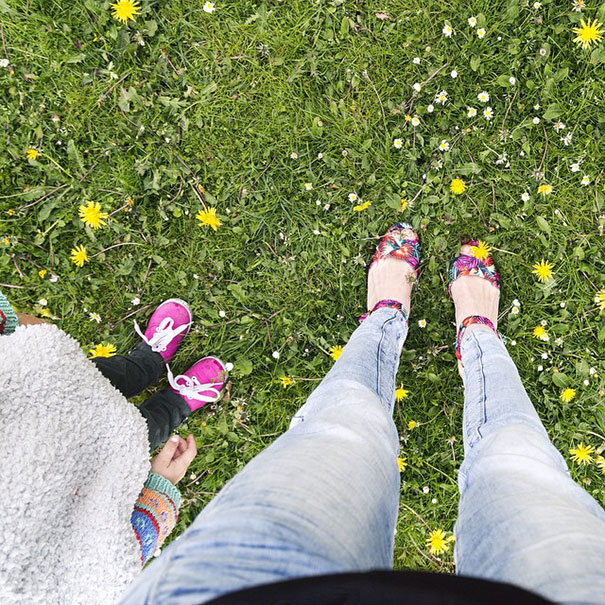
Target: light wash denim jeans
[(323, 498)]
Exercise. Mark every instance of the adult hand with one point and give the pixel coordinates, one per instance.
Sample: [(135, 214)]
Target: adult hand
[(29, 320), (173, 460)]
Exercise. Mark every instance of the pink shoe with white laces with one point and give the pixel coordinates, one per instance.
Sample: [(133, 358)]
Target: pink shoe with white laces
[(201, 383), (167, 327)]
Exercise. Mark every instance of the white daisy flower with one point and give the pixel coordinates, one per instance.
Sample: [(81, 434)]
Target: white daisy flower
[(488, 113), (516, 303), (275, 354), (441, 97), (515, 310), (454, 73), (537, 5), (221, 313), (558, 126), (536, 120), (397, 143), (416, 60), (575, 167), (472, 21), (566, 140), (483, 97), (430, 108), (512, 80), (94, 317), (415, 121), (578, 5), (444, 145), (209, 7), (352, 197), (525, 196), (585, 180), (422, 323), (417, 86), (308, 186), (43, 302), (481, 33), (471, 112), (447, 30)]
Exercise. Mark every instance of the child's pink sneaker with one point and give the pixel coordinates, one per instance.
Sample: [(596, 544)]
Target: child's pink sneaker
[(167, 327), (201, 383)]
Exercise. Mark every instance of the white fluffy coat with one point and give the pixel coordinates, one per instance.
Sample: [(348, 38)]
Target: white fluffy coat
[(74, 456)]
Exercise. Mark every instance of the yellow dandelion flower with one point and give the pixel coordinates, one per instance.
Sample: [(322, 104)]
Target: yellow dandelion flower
[(600, 300), (32, 154), (103, 350), (407, 117), (401, 393), (208, 217), (412, 424), (480, 251), (545, 189), (92, 216), (362, 207), (42, 273), (457, 186), (402, 463), (543, 270), (438, 542), (128, 203), (79, 256), (286, 381), (336, 352), (582, 454), (6, 241), (539, 332), (600, 463), (11, 212), (45, 313), (123, 10), (403, 204), (568, 394), (588, 33)]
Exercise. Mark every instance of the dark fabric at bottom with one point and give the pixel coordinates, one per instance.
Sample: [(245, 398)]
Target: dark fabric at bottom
[(384, 588), (131, 374)]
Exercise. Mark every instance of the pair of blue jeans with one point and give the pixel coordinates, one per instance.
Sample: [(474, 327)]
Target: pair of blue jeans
[(323, 498)]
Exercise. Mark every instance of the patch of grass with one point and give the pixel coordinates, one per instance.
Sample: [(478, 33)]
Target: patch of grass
[(183, 108)]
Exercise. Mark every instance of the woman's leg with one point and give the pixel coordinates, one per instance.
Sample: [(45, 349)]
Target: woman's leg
[(521, 518), (322, 498)]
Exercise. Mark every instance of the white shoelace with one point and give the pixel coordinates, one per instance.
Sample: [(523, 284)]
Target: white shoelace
[(191, 387), (163, 335)]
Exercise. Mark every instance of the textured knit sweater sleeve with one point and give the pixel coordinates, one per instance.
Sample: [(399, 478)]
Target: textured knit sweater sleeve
[(8, 318), (155, 514)]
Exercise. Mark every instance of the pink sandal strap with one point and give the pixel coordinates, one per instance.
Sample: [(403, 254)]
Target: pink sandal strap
[(381, 304), (400, 242), (470, 320), (465, 264)]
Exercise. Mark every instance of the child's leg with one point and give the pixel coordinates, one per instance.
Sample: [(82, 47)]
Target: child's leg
[(131, 374), (163, 411)]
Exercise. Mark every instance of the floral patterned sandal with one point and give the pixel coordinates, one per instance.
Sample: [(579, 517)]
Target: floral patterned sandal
[(466, 264), (400, 242)]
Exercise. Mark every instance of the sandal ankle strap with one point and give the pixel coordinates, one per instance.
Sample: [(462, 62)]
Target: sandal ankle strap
[(470, 320), (381, 304)]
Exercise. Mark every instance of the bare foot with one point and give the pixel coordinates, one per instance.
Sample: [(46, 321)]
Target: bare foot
[(473, 295), (390, 278)]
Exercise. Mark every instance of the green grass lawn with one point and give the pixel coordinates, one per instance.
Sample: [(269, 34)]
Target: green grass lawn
[(240, 108)]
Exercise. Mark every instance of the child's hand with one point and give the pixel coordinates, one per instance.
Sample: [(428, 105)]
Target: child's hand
[(173, 460)]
